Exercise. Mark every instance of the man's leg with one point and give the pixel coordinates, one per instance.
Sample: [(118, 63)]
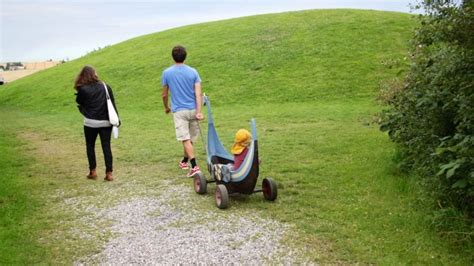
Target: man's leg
[(184, 162), (188, 149), (182, 133), (182, 124), (193, 133), (189, 152)]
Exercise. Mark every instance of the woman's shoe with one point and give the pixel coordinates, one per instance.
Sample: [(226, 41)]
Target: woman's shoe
[(108, 176), (92, 174)]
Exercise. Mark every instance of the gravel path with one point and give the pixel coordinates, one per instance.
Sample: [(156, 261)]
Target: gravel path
[(168, 230), (149, 219)]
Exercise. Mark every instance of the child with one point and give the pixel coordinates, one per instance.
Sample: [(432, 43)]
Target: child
[(239, 150), (240, 147)]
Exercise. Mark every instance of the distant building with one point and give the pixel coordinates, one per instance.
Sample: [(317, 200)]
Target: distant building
[(15, 66), (12, 66)]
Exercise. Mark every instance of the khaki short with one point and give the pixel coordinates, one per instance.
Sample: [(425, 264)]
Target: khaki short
[(186, 125)]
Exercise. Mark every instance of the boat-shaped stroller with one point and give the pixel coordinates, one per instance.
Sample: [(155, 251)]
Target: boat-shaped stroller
[(219, 164)]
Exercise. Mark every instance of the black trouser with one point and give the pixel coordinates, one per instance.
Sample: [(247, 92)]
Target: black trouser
[(91, 135)]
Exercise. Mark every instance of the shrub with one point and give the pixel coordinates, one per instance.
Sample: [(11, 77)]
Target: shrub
[(430, 112)]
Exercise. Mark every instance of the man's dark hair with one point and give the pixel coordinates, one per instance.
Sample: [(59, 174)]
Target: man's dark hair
[(179, 54)]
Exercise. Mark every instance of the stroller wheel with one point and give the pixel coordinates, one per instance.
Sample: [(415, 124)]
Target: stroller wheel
[(200, 183), (270, 190), (222, 197)]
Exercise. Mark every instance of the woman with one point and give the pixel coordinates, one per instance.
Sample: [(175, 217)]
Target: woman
[(92, 103)]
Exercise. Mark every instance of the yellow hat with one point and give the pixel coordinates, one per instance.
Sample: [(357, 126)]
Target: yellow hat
[(242, 140)]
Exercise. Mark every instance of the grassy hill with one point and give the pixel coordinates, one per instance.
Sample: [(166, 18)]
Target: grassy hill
[(309, 78)]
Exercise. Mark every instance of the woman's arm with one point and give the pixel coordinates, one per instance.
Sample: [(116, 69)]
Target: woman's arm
[(79, 96), (79, 100)]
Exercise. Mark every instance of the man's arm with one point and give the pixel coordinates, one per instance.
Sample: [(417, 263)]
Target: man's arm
[(198, 92), (164, 96)]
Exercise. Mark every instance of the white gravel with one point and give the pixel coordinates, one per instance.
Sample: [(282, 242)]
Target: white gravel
[(167, 230)]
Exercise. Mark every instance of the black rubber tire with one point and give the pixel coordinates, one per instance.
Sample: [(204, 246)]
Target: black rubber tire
[(222, 197), (270, 189), (200, 183)]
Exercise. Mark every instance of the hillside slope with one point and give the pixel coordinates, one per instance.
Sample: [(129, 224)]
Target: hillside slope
[(297, 57), (309, 78)]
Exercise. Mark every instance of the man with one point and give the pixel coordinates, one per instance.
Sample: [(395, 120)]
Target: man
[(184, 84)]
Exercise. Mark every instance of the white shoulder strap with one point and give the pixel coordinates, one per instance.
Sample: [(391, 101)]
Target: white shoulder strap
[(106, 91)]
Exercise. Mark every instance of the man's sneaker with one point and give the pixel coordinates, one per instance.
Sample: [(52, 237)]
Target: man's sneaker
[(184, 166), (193, 171)]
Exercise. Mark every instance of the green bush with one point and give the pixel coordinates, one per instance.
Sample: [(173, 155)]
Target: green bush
[(430, 112)]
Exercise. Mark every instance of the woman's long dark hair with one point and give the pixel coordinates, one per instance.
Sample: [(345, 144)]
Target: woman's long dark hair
[(85, 77)]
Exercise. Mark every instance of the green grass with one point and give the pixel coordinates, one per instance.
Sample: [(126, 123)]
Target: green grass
[(18, 234), (309, 78)]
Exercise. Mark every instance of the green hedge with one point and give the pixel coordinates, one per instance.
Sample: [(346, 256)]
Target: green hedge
[(431, 112)]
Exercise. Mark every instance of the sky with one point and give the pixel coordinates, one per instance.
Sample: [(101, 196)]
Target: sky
[(39, 30)]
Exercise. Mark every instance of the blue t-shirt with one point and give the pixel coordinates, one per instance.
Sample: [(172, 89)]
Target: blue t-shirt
[(180, 80)]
